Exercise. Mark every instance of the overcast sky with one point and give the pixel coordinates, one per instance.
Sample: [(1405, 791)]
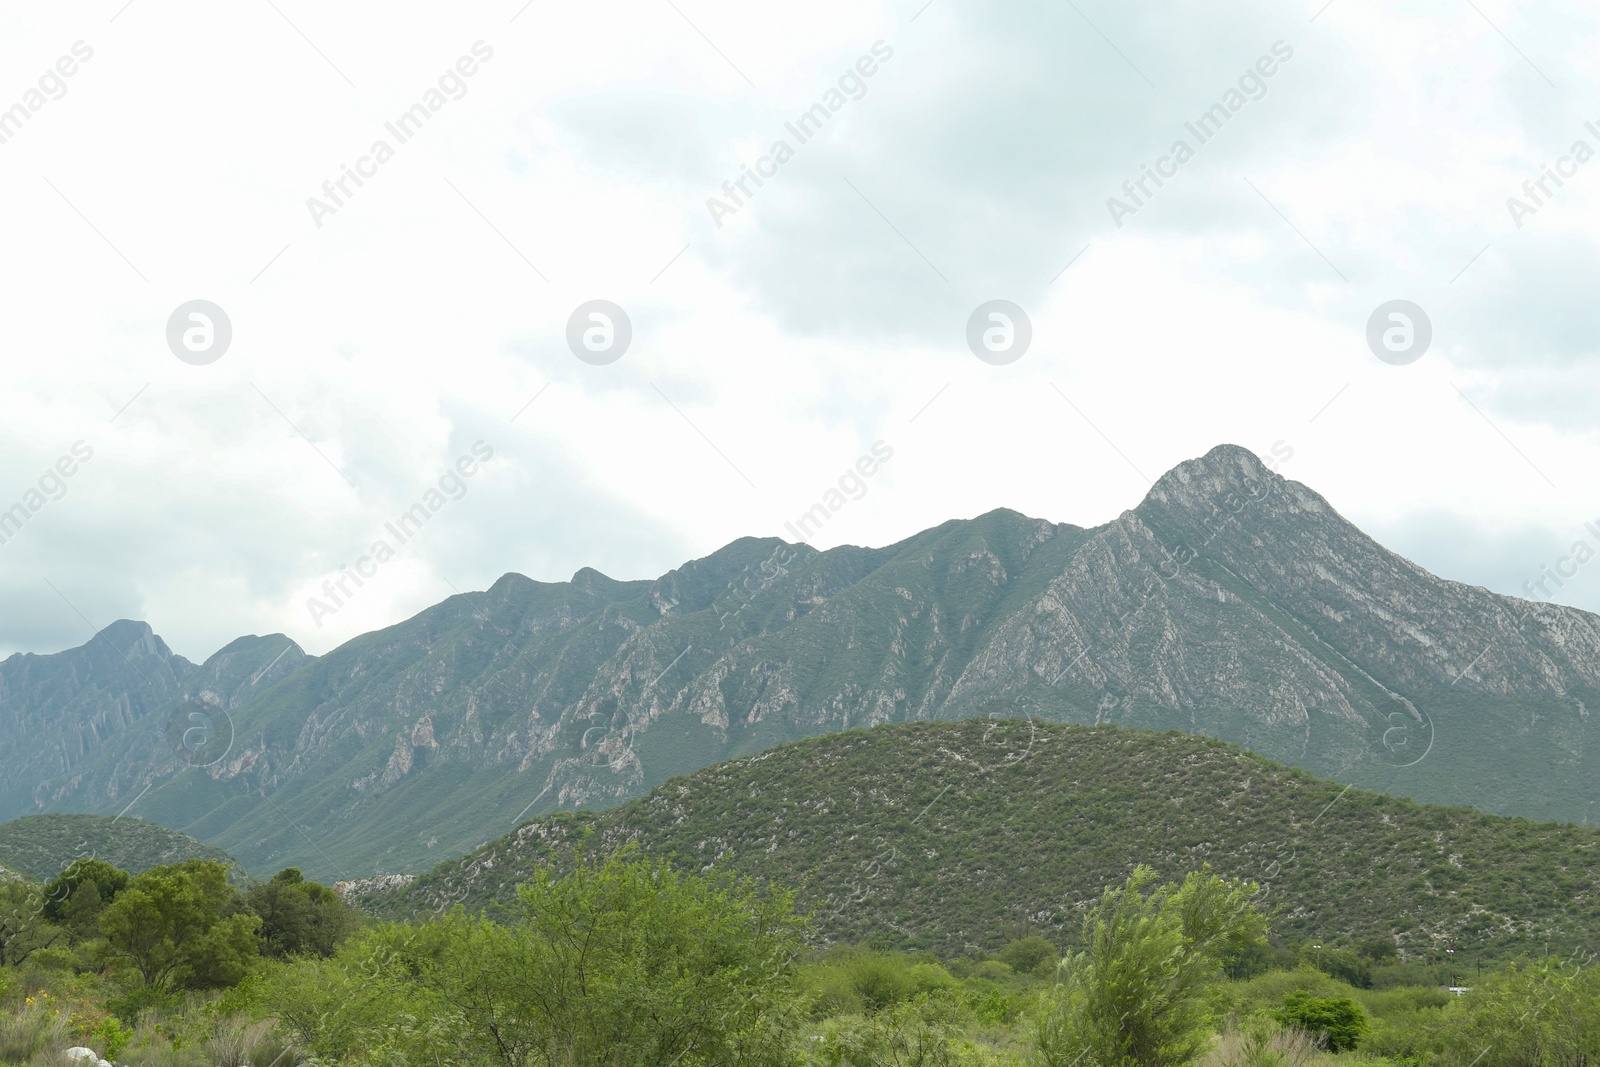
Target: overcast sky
[(378, 337)]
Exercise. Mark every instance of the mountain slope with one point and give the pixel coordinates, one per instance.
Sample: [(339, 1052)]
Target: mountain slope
[(56, 712), (41, 846), (93, 725), (1231, 602), (946, 835)]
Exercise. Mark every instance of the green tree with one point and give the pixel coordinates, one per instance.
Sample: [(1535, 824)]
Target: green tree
[(621, 961), (181, 926), (75, 897), (1380, 950), (1338, 1021), (1135, 996), (299, 917), (1345, 964), (23, 928)]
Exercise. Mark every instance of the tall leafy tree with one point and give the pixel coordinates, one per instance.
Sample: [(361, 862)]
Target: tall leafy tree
[(1135, 996), (181, 926), (75, 897), (298, 917), (23, 927)]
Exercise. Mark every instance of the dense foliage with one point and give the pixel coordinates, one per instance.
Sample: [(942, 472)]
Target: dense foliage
[(623, 960), (620, 962), (298, 917), (942, 836), (1338, 1021), (97, 955)]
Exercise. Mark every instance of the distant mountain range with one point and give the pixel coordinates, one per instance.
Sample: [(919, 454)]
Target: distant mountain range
[(1231, 602), (955, 837)]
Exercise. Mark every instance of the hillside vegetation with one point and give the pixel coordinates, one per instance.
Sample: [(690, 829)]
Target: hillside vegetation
[(625, 960), (956, 837), (42, 845)]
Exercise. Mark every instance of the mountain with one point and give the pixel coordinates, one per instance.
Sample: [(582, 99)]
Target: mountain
[(75, 725), (41, 846), (954, 836), (61, 711), (1231, 602)]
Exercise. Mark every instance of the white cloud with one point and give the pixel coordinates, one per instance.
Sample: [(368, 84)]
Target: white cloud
[(772, 352)]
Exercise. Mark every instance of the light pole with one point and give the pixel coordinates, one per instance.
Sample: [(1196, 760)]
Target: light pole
[(1319, 956)]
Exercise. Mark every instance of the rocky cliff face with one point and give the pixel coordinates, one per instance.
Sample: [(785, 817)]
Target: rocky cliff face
[(84, 728), (1230, 602), (57, 713)]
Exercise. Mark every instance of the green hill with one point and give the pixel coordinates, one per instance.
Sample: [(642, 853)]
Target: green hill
[(956, 836), (39, 846)]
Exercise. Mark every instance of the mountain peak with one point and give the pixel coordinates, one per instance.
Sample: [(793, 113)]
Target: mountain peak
[(1229, 466), (1225, 477), (589, 580), (126, 630), (135, 638), (511, 583)]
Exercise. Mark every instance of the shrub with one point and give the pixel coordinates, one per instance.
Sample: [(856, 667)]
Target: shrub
[(1025, 955), (1338, 1021), (1136, 996)]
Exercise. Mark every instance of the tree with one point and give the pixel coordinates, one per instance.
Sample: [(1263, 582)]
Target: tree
[(620, 961), (1347, 965), (299, 917), (181, 926), (75, 897), (1380, 950), (1338, 1021), (1135, 996), (23, 928)]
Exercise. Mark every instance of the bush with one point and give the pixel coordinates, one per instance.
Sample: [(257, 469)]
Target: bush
[(855, 981), (879, 979), (922, 1032), (1261, 1043), (1137, 995), (1028, 954), (1338, 1021), (623, 960)]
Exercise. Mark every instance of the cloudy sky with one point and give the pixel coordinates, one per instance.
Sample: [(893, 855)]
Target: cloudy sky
[(380, 332)]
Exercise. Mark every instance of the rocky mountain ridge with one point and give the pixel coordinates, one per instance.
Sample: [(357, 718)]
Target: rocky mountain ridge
[(1231, 602)]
